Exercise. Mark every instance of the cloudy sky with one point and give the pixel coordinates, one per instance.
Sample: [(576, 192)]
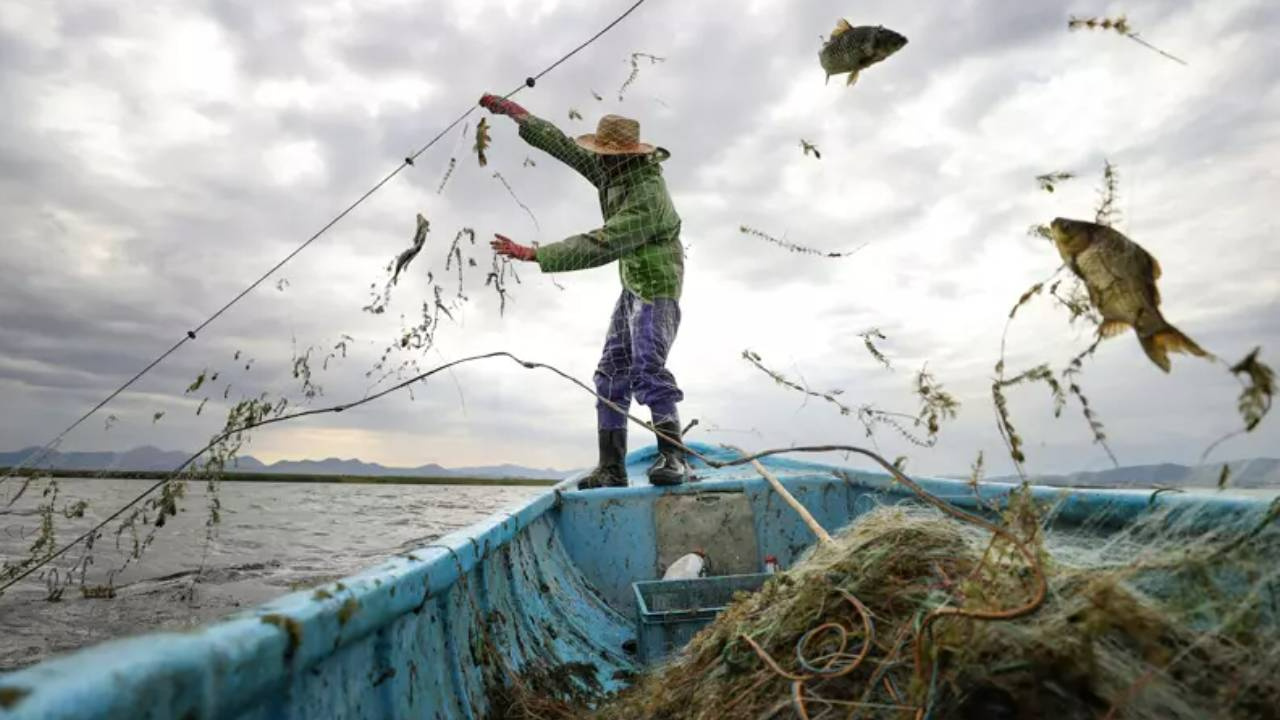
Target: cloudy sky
[(158, 156)]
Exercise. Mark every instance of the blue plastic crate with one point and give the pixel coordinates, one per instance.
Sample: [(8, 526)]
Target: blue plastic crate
[(671, 612)]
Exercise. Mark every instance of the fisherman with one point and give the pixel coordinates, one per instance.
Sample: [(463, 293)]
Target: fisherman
[(642, 232)]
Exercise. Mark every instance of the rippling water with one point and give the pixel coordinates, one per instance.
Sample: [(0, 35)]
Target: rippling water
[(273, 538)]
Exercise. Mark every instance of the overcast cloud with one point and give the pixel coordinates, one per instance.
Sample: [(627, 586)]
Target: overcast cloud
[(158, 156)]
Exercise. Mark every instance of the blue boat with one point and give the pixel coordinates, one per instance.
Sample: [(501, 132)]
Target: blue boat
[(549, 585)]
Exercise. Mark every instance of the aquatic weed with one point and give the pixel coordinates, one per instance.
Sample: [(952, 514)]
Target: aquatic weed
[(1049, 181), (868, 338), (482, 141), (635, 70), (1119, 24), (795, 247), (292, 630), (1106, 212)]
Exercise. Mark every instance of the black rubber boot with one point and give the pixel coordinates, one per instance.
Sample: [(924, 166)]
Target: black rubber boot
[(611, 471), (670, 467)]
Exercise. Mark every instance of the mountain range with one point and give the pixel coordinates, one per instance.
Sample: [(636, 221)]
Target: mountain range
[(154, 459), (1252, 473)]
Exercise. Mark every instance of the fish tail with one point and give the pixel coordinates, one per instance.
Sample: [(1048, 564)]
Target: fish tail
[(1169, 339)]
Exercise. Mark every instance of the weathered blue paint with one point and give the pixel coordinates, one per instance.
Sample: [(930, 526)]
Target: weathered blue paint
[(547, 582)]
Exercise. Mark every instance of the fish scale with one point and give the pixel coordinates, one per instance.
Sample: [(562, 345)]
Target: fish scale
[(852, 49), (1121, 279)]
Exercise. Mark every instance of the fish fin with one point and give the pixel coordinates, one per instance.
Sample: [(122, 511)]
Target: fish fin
[(853, 78), (1154, 274), (842, 26), (1170, 339), (1156, 351), (1111, 328)]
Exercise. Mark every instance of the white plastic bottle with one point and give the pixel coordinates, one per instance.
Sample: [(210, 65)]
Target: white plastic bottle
[(687, 567)]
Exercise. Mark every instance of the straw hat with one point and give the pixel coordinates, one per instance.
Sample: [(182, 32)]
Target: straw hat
[(615, 135)]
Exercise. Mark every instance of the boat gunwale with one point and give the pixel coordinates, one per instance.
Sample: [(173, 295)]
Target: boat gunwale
[(222, 663), (224, 659)]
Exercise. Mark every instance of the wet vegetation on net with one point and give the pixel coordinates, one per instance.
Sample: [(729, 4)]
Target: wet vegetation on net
[(796, 247), (1004, 612), (914, 613), (1120, 25)]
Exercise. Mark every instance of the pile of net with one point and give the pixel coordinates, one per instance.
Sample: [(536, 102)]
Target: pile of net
[(911, 613)]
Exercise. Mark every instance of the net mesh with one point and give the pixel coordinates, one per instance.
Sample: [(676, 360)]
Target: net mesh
[(641, 233), (913, 613), (59, 541), (1170, 617)]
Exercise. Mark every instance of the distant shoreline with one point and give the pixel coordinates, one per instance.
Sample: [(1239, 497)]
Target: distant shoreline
[(242, 476)]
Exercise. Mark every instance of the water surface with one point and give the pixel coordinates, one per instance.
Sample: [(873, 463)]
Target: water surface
[(273, 538)]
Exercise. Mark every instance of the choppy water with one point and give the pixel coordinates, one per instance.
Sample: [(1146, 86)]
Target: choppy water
[(273, 538)]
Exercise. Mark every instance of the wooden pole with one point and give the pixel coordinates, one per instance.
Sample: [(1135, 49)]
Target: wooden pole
[(805, 515)]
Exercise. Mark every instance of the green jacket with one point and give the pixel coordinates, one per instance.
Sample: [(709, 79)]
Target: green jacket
[(641, 228)]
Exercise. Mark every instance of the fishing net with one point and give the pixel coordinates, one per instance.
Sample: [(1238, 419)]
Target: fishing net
[(638, 230), (911, 613), (908, 613)]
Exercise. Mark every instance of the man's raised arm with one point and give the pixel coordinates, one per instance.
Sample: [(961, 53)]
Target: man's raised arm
[(548, 138)]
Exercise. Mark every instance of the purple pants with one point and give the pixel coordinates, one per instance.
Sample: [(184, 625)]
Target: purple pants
[(634, 360)]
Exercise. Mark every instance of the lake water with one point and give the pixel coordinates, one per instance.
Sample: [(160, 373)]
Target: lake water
[(273, 538)]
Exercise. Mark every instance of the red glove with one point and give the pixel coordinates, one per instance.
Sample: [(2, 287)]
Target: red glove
[(499, 106), (506, 246)]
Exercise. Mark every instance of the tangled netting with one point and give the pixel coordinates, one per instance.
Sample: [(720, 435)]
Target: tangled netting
[(911, 613)]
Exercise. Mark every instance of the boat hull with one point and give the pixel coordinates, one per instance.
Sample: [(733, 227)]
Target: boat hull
[(546, 586)]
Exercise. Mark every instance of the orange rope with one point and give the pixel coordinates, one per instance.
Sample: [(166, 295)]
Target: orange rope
[(797, 699), (745, 694), (798, 681), (890, 659), (1037, 599), (868, 642), (768, 660), (888, 686), (1033, 563)]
